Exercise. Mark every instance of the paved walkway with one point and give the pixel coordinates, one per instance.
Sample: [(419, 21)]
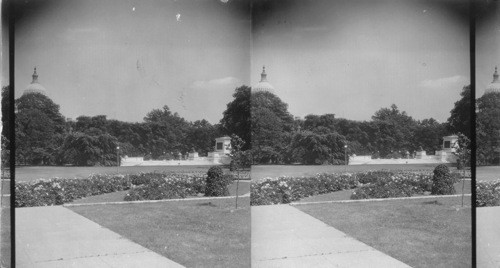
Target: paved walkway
[(58, 237), (488, 237), (283, 236)]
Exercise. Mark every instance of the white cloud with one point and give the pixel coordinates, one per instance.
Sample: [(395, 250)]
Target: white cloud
[(215, 83), (443, 82)]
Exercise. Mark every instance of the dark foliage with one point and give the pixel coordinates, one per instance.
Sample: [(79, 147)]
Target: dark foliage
[(442, 181), (216, 182)]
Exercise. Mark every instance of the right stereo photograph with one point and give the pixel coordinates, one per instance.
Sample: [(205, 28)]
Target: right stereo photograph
[(487, 134), (361, 133)]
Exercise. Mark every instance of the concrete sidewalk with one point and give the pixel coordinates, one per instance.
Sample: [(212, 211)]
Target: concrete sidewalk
[(57, 237), (283, 236), (488, 237)]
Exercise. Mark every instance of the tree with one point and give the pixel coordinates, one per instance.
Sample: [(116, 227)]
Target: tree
[(88, 150), (200, 136), (237, 159), (5, 126), (429, 135), (267, 133), (313, 149), (271, 125), (460, 118), (395, 130), (236, 117), (40, 130), (488, 129), (463, 151), (166, 132)]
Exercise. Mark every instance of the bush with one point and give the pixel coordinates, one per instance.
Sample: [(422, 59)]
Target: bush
[(488, 193), (59, 191), (442, 181), (216, 182)]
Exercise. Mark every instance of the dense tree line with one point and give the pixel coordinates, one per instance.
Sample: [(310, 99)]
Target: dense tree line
[(45, 137), (277, 137), (270, 134)]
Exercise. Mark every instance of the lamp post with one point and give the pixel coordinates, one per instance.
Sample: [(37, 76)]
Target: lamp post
[(117, 156), (345, 157)]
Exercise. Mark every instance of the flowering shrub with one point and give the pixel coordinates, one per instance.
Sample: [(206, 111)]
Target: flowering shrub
[(399, 184), (58, 191), (157, 186), (488, 193), (284, 190)]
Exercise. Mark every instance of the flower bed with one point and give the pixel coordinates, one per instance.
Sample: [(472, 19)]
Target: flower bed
[(157, 186), (58, 191), (143, 186), (369, 184), (284, 190), (488, 193), (399, 184)]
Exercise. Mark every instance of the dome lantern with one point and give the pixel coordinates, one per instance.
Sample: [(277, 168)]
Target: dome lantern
[(34, 87), (263, 85), (35, 77), (263, 75), (494, 86)]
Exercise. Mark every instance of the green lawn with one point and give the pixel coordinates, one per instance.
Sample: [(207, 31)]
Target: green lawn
[(243, 188), (259, 172), (421, 233), (346, 194), (488, 173), (193, 233)]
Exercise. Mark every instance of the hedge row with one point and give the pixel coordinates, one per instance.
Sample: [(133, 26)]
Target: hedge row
[(58, 191), (488, 193)]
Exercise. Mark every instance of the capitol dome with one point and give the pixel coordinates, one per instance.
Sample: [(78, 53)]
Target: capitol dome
[(495, 85), (34, 87), (263, 85)]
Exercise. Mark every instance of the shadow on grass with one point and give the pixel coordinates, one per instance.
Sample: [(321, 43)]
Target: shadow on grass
[(208, 204)]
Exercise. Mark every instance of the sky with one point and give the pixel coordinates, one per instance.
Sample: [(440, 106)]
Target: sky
[(487, 44), (353, 57), (125, 58)]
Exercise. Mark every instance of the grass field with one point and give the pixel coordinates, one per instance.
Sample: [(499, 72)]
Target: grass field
[(193, 233), (48, 172), (259, 172), (488, 173), (421, 233), (243, 188)]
